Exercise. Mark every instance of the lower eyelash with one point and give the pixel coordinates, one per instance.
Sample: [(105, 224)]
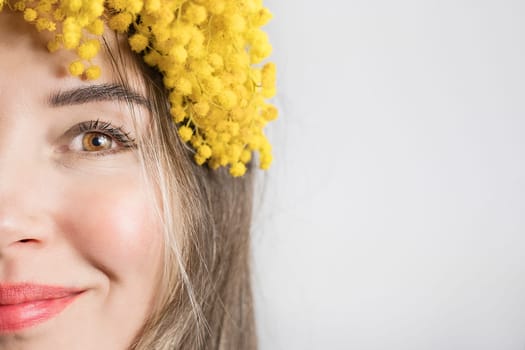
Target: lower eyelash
[(108, 152)]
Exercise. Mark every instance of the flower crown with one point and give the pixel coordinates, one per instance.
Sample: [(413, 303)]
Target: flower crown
[(208, 51)]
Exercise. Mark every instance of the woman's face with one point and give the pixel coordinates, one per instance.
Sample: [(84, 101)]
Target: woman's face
[(75, 214)]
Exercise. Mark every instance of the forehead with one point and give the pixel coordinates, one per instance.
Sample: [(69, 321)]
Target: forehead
[(25, 49)]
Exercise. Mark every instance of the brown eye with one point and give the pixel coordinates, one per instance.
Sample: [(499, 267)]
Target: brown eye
[(96, 141)]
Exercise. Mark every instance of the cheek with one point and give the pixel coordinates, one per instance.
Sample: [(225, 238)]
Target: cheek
[(115, 228)]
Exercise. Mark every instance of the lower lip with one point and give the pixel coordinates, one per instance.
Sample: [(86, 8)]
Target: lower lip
[(20, 316)]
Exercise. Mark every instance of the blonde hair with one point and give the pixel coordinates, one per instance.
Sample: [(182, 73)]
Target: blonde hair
[(205, 298)]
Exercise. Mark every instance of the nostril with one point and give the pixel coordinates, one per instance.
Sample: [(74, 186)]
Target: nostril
[(27, 240)]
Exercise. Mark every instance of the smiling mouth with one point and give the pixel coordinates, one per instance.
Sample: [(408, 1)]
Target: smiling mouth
[(26, 305)]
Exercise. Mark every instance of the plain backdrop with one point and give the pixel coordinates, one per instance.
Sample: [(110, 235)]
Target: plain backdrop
[(393, 216)]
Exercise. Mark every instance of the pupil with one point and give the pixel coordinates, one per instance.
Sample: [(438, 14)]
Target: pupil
[(97, 141)]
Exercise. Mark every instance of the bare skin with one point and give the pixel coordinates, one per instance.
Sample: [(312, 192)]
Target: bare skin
[(74, 210)]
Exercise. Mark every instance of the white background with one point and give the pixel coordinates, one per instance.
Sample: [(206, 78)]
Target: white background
[(393, 216)]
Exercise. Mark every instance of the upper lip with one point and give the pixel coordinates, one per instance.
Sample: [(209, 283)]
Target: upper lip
[(11, 294)]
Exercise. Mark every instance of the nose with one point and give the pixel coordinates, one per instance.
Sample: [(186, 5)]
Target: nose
[(17, 229), (23, 219)]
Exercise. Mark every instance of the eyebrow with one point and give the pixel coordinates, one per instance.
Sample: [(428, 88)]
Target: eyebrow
[(98, 93)]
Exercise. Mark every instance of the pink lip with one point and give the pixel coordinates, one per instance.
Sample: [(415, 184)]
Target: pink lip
[(26, 305)]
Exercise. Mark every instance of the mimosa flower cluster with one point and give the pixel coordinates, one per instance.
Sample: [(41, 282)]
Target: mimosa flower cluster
[(209, 52)]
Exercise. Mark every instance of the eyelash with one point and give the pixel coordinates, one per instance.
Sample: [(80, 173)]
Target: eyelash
[(117, 134)]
